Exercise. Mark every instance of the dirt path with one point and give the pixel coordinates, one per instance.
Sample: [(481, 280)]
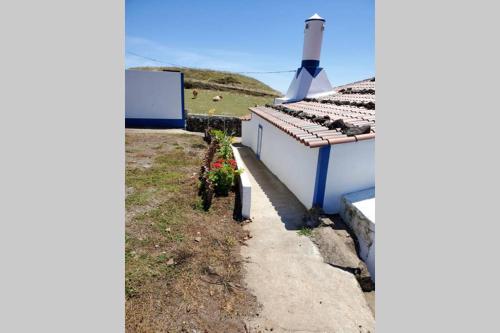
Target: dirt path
[(285, 271)]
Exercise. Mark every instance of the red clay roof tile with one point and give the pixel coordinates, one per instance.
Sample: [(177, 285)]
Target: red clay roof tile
[(356, 112)]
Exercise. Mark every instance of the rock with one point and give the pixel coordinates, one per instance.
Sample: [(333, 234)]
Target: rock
[(311, 218), (198, 239), (339, 250), (170, 262), (325, 221)]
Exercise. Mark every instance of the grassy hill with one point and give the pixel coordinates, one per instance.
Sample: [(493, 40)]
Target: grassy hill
[(194, 78), (239, 91), (232, 104)]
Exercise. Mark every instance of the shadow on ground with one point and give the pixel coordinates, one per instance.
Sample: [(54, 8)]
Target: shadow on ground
[(288, 207)]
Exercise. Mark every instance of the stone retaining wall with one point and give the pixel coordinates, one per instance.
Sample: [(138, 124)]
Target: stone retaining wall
[(199, 122)]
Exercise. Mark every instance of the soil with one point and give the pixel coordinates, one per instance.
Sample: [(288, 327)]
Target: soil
[(183, 266)]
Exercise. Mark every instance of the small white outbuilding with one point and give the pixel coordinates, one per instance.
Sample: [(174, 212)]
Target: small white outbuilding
[(154, 99)]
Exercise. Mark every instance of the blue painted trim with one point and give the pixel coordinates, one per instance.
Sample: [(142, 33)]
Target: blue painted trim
[(259, 141), (314, 71), (154, 123), (315, 19), (310, 63), (321, 173), (298, 72), (312, 66), (182, 100)]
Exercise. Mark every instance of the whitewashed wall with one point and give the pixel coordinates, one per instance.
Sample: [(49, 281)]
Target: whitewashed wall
[(245, 185), (249, 132), (289, 160), (154, 95), (351, 168)]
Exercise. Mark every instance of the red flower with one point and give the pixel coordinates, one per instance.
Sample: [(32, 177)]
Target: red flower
[(233, 163), (216, 165)]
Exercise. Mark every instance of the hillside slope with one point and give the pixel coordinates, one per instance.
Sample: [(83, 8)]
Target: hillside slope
[(239, 92), (219, 80)]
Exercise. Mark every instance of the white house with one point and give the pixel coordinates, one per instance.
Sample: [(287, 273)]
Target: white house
[(318, 140), (154, 99)]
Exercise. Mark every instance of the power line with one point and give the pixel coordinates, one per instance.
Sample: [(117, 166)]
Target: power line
[(290, 71), (171, 64), (155, 60)]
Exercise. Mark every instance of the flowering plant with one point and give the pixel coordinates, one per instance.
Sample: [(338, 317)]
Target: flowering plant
[(222, 174)]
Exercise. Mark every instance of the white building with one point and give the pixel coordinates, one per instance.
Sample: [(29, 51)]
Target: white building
[(319, 141), (154, 99)]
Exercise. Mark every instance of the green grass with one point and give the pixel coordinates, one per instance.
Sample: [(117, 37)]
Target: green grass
[(304, 231), (232, 104), (219, 77), (165, 263)]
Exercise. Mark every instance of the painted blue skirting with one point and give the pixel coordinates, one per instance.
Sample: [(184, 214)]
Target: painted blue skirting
[(154, 123), (321, 173)]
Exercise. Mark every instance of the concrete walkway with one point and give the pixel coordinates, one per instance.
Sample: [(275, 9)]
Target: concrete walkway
[(285, 271)]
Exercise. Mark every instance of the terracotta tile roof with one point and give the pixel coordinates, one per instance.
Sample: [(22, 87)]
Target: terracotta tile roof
[(359, 85), (349, 97), (311, 126)]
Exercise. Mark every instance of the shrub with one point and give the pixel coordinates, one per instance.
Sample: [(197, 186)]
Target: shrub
[(217, 134), (224, 141), (222, 174)]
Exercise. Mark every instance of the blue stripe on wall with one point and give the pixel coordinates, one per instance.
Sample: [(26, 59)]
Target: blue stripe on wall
[(182, 98), (154, 123), (321, 173)]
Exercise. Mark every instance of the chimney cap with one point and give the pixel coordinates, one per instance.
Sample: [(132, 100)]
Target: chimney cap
[(315, 17)]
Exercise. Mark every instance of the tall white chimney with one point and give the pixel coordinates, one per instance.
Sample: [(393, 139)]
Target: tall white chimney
[(310, 80), (313, 38)]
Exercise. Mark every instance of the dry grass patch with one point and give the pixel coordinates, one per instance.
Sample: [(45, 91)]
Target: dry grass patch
[(183, 267)]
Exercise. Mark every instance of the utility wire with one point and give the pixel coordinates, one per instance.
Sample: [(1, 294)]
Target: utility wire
[(155, 60), (171, 64), (290, 71)]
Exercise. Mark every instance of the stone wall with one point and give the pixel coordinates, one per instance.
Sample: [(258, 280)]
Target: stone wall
[(358, 212), (198, 123)]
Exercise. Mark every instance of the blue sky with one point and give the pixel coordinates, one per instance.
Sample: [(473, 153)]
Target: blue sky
[(252, 35)]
